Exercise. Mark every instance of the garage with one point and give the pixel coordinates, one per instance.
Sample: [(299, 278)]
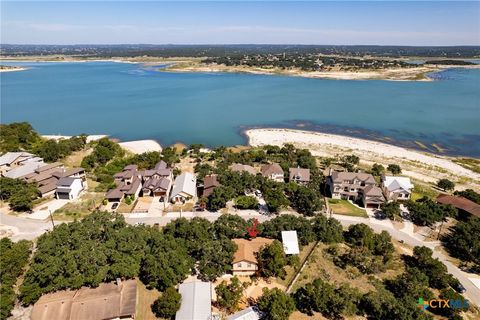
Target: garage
[(63, 195)]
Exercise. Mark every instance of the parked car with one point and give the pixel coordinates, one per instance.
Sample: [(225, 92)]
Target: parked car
[(457, 286), (114, 206), (198, 208)]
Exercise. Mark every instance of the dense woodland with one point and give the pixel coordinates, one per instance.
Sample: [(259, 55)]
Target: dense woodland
[(306, 62), (239, 49)]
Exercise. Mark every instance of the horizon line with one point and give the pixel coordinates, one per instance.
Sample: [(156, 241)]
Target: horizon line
[(234, 44)]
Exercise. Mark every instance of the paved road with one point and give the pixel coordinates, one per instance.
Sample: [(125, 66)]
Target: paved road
[(30, 229)]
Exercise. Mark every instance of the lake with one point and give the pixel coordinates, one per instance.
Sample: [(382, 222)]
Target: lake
[(131, 102)]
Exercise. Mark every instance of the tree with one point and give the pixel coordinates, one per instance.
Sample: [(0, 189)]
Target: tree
[(219, 197), (394, 169), (12, 263), (463, 242), (216, 258), (445, 184), (360, 235), (350, 162), (469, 194), (327, 230), (275, 199), (18, 193), (377, 169), (276, 304), (391, 209), (17, 136), (306, 200), (425, 212), (246, 202), (230, 226), (330, 301), (436, 271), (229, 295), (167, 305), (272, 260)]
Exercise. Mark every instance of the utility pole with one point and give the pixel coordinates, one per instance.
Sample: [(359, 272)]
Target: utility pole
[(51, 219)]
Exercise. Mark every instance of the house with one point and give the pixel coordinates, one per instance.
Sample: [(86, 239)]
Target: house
[(69, 188), (245, 261), (196, 301), (246, 314), (157, 187), (347, 185), (371, 196), (184, 188), (396, 188), (299, 175), (25, 169), (114, 195), (463, 205), (12, 160), (237, 167), (273, 171), (210, 182), (290, 242), (107, 301)]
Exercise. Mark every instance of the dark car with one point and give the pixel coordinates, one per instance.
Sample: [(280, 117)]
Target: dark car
[(198, 208), (457, 286), (114, 206)]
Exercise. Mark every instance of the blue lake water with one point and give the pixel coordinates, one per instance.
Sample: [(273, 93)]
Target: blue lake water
[(129, 101)]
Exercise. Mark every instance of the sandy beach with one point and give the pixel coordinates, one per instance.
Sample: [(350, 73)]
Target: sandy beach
[(422, 166), (90, 138), (141, 146), (12, 69)]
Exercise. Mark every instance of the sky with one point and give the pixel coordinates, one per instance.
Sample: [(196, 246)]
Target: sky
[(228, 22)]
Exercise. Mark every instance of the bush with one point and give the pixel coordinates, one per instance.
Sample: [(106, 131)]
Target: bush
[(445, 184), (275, 304), (246, 202), (167, 305)]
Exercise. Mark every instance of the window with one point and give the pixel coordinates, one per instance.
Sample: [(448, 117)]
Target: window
[(239, 264)]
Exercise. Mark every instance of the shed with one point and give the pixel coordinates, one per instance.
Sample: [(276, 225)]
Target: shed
[(196, 301), (290, 242)]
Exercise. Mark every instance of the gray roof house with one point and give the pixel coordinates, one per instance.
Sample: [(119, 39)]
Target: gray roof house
[(272, 171), (184, 187), (299, 175), (347, 185), (372, 196), (196, 301)]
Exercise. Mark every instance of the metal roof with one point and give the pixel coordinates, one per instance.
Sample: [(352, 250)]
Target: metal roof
[(290, 242), (196, 301)]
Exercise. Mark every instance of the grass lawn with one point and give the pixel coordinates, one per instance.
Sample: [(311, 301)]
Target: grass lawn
[(145, 298), (79, 208), (420, 191), (340, 206)]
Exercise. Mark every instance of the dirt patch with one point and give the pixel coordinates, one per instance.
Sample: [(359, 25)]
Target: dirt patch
[(145, 298)]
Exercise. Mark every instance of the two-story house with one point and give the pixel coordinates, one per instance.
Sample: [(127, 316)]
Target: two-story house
[(397, 188), (348, 185), (273, 171)]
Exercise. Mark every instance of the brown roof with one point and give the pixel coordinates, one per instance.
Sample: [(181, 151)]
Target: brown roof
[(114, 194), (209, 184), (107, 301), (71, 172), (49, 166), (47, 188), (460, 203), (247, 248), (373, 191), (303, 174), (243, 167), (272, 168)]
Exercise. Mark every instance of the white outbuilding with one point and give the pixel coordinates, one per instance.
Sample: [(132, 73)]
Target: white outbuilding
[(290, 242)]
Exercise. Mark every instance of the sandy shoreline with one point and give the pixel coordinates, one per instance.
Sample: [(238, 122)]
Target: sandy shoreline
[(423, 166), (136, 147), (13, 69), (141, 146)]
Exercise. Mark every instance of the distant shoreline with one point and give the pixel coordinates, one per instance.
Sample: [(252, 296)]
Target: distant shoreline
[(193, 65)]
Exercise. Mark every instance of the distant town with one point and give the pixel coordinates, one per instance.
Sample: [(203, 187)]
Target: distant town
[(96, 229)]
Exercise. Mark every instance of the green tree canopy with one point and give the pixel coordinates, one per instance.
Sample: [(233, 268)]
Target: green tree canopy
[(275, 304), (167, 305), (272, 260)]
